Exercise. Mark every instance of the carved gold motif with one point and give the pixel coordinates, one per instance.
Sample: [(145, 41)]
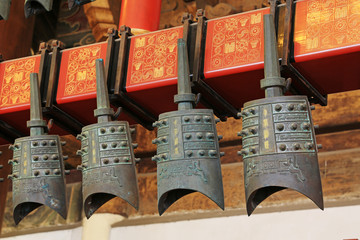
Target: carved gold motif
[(236, 40), (154, 56), (16, 82), (328, 24), (81, 74)]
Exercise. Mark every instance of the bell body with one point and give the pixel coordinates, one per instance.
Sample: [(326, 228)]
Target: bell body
[(279, 149), (38, 175), (188, 158), (108, 165)]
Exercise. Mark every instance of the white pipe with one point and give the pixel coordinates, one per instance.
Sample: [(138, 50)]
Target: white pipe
[(99, 225)]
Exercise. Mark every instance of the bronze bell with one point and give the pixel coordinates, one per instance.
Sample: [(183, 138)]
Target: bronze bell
[(278, 137), (74, 3), (4, 9), (34, 7), (107, 153), (188, 157), (37, 165)]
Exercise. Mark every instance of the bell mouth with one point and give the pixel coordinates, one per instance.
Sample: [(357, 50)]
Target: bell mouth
[(170, 197), (260, 194), (23, 209), (94, 201)]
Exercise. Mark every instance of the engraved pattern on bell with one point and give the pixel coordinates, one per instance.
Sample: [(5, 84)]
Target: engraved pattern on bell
[(279, 149), (188, 157), (37, 179), (108, 165)]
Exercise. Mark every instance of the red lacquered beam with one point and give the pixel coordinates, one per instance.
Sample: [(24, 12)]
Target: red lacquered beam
[(140, 15), (15, 91)]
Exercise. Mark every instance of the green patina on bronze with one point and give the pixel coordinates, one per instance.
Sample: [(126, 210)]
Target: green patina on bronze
[(188, 155), (107, 153), (38, 175), (278, 137)]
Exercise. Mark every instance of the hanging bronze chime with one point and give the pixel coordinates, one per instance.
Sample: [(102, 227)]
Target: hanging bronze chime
[(34, 7), (278, 137), (37, 165), (188, 157), (108, 161)]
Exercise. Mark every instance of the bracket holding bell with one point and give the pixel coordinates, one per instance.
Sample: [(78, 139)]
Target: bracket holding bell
[(34, 7), (278, 137), (37, 164), (4, 9), (74, 3), (188, 156), (107, 153)]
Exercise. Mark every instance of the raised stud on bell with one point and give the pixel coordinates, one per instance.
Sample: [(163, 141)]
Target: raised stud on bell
[(280, 127), (278, 108), (293, 126), (309, 146), (282, 147)]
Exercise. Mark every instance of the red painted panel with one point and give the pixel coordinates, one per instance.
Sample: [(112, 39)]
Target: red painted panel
[(234, 56), (15, 83), (327, 43), (326, 28), (234, 44), (153, 60), (76, 93), (15, 93), (77, 77)]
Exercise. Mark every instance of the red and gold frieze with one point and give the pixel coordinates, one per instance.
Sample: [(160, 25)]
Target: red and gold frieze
[(153, 59), (77, 76), (234, 43), (15, 83), (322, 25)]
